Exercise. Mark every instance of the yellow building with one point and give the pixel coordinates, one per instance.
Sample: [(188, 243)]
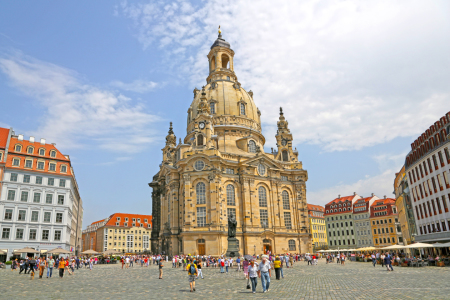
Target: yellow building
[(404, 206), (220, 169), (317, 227), (384, 222), (126, 233)]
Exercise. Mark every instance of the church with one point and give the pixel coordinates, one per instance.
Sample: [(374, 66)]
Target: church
[(220, 169)]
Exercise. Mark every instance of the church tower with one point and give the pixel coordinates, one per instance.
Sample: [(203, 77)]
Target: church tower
[(220, 169)]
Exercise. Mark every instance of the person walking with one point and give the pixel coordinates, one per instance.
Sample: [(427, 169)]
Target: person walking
[(245, 267), (32, 265), (238, 263), (253, 274), (388, 262), (42, 265), (382, 256), (374, 260), (50, 265), (61, 266), (192, 273), (281, 267), (160, 265), (277, 266), (199, 268), (264, 273), (227, 264), (127, 262)]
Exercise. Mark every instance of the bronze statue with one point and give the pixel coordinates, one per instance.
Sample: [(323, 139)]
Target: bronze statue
[(232, 223)]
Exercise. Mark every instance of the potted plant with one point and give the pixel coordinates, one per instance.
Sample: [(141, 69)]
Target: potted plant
[(440, 263), (404, 263)]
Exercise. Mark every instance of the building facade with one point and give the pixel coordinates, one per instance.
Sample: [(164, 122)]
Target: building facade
[(318, 227), (384, 222), (339, 221), (405, 208), (126, 233), (40, 204), (361, 217), (427, 167), (220, 169)]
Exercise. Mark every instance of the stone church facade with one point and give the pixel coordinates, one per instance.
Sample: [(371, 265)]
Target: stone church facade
[(220, 168)]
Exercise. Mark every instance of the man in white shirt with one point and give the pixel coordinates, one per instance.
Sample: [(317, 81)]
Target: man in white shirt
[(264, 273), (127, 262)]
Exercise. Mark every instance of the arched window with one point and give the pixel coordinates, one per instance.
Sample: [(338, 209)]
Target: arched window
[(201, 241), (18, 148), (291, 245), (262, 196), (30, 150), (225, 61), (252, 147), (212, 107), (200, 190), (199, 140), (42, 151), (242, 109), (53, 153), (230, 195), (266, 241), (285, 197), (284, 154)]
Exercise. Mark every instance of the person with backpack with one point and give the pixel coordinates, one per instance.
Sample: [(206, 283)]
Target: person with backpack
[(192, 273)]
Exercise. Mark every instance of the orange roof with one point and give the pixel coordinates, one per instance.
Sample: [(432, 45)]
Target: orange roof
[(3, 137), (97, 222), (384, 201), (59, 159), (113, 220), (342, 199), (315, 207)]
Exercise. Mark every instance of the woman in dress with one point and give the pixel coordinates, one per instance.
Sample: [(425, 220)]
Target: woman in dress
[(245, 266)]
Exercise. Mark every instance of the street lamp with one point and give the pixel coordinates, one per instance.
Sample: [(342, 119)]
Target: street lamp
[(254, 247)]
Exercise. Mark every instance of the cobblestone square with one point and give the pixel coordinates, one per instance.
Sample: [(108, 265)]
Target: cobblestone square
[(355, 280)]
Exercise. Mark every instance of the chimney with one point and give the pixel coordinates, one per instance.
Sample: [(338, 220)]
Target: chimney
[(384, 196), (339, 196), (20, 137), (53, 144), (372, 194), (354, 193), (42, 141), (31, 139)]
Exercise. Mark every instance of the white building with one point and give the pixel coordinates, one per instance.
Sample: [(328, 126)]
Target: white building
[(40, 206), (428, 168), (361, 217)]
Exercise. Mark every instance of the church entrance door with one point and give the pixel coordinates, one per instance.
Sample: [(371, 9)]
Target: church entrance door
[(201, 249), (267, 248)]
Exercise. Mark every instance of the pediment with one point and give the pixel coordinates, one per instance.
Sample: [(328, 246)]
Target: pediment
[(264, 160)]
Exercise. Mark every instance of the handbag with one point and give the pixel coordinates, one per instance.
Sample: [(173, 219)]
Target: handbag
[(248, 284)]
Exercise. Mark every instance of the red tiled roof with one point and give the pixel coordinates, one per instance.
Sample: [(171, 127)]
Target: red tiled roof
[(3, 137), (97, 222), (316, 207), (342, 199), (337, 201), (60, 159), (113, 220)]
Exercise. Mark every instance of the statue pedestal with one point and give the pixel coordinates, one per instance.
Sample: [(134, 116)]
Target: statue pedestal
[(233, 247)]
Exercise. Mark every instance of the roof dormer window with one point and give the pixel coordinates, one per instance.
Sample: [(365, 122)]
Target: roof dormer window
[(30, 150), (42, 151), (53, 153), (18, 148)]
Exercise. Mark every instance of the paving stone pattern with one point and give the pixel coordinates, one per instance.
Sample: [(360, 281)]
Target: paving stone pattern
[(355, 280)]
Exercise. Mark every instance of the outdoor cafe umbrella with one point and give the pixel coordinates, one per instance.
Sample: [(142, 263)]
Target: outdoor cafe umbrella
[(248, 257), (59, 251), (419, 246), (90, 252), (2, 252), (393, 247), (26, 250)]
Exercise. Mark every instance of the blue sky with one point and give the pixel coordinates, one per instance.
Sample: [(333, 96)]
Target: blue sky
[(359, 81)]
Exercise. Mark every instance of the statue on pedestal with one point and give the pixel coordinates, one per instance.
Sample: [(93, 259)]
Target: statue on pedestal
[(233, 242)]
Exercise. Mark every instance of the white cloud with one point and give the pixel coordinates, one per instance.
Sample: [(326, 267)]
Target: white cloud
[(380, 185), (76, 112), (137, 86), (350, 74)]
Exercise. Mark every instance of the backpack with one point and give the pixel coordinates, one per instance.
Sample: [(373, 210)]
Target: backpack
[(192, 269), (222, 263)]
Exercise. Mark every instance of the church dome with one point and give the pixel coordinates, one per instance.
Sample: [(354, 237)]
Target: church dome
[(229, 103)]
